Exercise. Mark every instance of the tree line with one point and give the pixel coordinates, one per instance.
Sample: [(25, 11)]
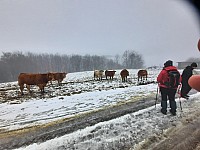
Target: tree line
[(11, 64)]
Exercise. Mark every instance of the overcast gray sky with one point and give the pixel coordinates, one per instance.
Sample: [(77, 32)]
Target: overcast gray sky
[(157, 29)]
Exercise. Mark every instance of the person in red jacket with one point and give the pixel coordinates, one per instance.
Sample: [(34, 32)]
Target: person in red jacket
[(166, 91)]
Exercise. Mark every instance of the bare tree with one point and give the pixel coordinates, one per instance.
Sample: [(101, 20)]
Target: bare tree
[(11, 64), (132, 60), (125, 59)]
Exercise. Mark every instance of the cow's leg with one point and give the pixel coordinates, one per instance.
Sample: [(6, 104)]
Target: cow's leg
[(41, 87), (21, 89), (58, 82), (29, 88)]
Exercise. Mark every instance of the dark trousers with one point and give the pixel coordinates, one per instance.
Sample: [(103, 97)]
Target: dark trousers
[(166, 94), (185, 89)]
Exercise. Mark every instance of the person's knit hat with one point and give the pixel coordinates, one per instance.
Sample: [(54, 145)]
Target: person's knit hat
[(194, 65), (168, 63)]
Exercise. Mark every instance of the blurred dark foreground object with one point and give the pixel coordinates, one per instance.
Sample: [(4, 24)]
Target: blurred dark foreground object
[(196, 5)]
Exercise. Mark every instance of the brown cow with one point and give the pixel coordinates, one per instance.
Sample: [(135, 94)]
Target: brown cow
[(110, 74), (142, 74), (33, 79), (59, 76), (124, 73)]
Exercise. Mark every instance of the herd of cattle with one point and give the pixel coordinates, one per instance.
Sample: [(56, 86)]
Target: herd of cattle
[(98, 74), (42, 79)]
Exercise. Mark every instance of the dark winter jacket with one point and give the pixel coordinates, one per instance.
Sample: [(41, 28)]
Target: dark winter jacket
[(163, 76), (187, 73)]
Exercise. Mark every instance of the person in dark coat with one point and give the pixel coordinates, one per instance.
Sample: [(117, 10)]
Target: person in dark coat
[(167, 92), (187, 73)]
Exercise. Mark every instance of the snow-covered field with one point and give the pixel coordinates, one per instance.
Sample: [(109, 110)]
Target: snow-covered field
[(80, 94), (83, 96)]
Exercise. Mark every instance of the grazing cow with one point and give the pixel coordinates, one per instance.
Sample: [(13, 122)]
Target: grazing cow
[(33, 79), (110, 74), (98, 74), (59, 76), (124, 73), (142, 74)]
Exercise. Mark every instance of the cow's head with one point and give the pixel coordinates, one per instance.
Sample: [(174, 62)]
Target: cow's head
[(101, 71), (50, 76), (64, 75)]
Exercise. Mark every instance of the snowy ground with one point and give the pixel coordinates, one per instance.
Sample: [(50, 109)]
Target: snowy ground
[(126, 132), (80, 94)]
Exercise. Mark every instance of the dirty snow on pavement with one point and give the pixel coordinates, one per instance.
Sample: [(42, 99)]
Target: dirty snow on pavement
[(125, 132)]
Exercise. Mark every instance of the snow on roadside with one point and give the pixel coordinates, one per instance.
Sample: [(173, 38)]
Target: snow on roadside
[(124, 132), (46, 110)]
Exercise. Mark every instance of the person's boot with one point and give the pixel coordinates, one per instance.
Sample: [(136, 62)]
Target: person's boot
[(173, 112), (164, 111), (184, 96), (164, 107), (187, 96)]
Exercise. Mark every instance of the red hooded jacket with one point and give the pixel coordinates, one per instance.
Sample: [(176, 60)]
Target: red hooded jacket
[(163, 76)]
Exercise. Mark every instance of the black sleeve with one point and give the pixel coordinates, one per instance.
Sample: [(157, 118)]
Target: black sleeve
[(187, 73)]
